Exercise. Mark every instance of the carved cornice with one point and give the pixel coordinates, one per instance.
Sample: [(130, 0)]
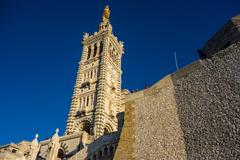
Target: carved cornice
[(94, 38)]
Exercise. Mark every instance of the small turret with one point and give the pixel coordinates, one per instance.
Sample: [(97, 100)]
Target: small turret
[(53, 147), (55, 137), (34, 149)]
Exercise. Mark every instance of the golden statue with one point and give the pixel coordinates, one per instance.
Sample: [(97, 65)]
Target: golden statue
[(106, 14)]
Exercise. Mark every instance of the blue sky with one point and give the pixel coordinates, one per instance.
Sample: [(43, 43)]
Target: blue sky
[(40, 50)]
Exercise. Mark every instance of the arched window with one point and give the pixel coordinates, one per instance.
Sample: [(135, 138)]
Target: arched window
[(61, 153), (14, 151), (101, 47), (86, 126), (111, 150), (105, 152), (91, 75), (78, 113), (87, 100), (89, 52), (107, 129), (100, 155)]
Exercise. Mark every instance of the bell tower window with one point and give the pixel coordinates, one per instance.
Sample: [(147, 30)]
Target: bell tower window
[(91, 74), (89, 52), (101, 47), (87, 100)]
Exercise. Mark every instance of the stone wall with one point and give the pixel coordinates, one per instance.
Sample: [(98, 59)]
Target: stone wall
[(151, 127), (158, 134), (208, 99), (191, 114), (125, 145)]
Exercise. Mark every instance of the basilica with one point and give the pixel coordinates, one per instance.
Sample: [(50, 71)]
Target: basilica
[(190, 114)]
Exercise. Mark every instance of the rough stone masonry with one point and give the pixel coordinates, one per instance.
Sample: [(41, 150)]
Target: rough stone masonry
[(191, 114)]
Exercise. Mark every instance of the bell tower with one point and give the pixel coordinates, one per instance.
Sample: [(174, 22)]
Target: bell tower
[(96, 98)]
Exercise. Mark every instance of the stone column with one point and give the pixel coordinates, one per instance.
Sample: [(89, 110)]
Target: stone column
[(98, 48), (92, 50)]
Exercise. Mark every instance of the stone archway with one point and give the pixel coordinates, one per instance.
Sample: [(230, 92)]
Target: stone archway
[(107, 129), (86, 126), (61, 154)]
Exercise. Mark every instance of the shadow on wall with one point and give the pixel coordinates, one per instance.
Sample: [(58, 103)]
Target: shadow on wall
[(227, 35)]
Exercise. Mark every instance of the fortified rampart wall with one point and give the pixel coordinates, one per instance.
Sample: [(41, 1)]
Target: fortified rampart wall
[(208, 101), (191, 114)]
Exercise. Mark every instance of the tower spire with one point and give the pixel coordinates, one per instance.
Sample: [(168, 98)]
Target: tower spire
[(96, 99)]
